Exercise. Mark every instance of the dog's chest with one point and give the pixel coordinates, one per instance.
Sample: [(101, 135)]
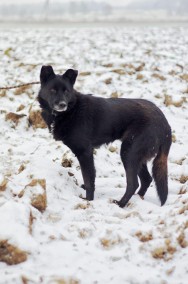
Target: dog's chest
[(52, 127), (58, 129)]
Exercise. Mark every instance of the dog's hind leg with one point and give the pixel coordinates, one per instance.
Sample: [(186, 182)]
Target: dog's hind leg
[(145, 180), (86, 161), (131, 164)]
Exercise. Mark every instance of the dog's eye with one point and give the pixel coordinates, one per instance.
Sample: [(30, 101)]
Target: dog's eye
[(53, 91)]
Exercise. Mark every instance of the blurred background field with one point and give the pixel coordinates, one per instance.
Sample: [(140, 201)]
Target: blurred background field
[(94, 10)]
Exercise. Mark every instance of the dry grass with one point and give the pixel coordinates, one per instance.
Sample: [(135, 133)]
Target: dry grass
[(144, 237), (110, 242), (108, 81), (36, 120), (180, 161), (21, 90), (84, 233), (127, 65), (39, 201), (66, 163), (3, 93), (164, 252), (159, 252), (25, 280), (174, 138), (172, 73), (168, 101), (182, 240), (21, 168), (158, 76), (114, 95), (3, 184), (20, 108), (63, 281), (170, 271), (140, 67), (83, 206), (85, 73), (8, 52), (139, 77), (184, 77), (119, 71), (183, 179), (183, 190), (31, 218), (14, 117), (42, 183), (108, 65), (11, 254), (183, 209)]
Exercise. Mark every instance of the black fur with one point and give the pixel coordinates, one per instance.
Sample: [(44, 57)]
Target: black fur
[(84, 122)]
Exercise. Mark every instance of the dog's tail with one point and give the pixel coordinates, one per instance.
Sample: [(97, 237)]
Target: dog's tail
[(160, 173)]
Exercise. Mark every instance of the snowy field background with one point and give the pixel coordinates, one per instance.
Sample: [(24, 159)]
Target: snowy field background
[(68, 240)]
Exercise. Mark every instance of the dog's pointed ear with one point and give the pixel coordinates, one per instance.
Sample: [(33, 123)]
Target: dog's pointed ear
[(46, 74), (71, 75)]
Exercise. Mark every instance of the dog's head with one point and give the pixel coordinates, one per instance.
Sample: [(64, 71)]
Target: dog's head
[(57, 90)]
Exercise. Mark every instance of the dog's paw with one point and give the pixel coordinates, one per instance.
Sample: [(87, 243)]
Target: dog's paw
[(142, 197), (119, 203)]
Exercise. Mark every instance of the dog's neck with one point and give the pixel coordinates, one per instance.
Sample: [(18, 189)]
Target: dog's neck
[(52, 127), (55, 114)]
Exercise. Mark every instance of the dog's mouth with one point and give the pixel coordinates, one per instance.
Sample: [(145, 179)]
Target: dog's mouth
[(60, 108)]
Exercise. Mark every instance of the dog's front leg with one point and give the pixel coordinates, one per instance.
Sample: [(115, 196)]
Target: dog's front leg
[(86, 161)]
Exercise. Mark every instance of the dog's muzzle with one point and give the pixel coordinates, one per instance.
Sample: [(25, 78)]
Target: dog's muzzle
[(62, 106)]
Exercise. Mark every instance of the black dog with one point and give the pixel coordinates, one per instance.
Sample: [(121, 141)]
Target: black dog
[(84, 122)]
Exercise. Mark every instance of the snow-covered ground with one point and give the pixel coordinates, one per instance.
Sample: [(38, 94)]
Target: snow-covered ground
[(73, 241)]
